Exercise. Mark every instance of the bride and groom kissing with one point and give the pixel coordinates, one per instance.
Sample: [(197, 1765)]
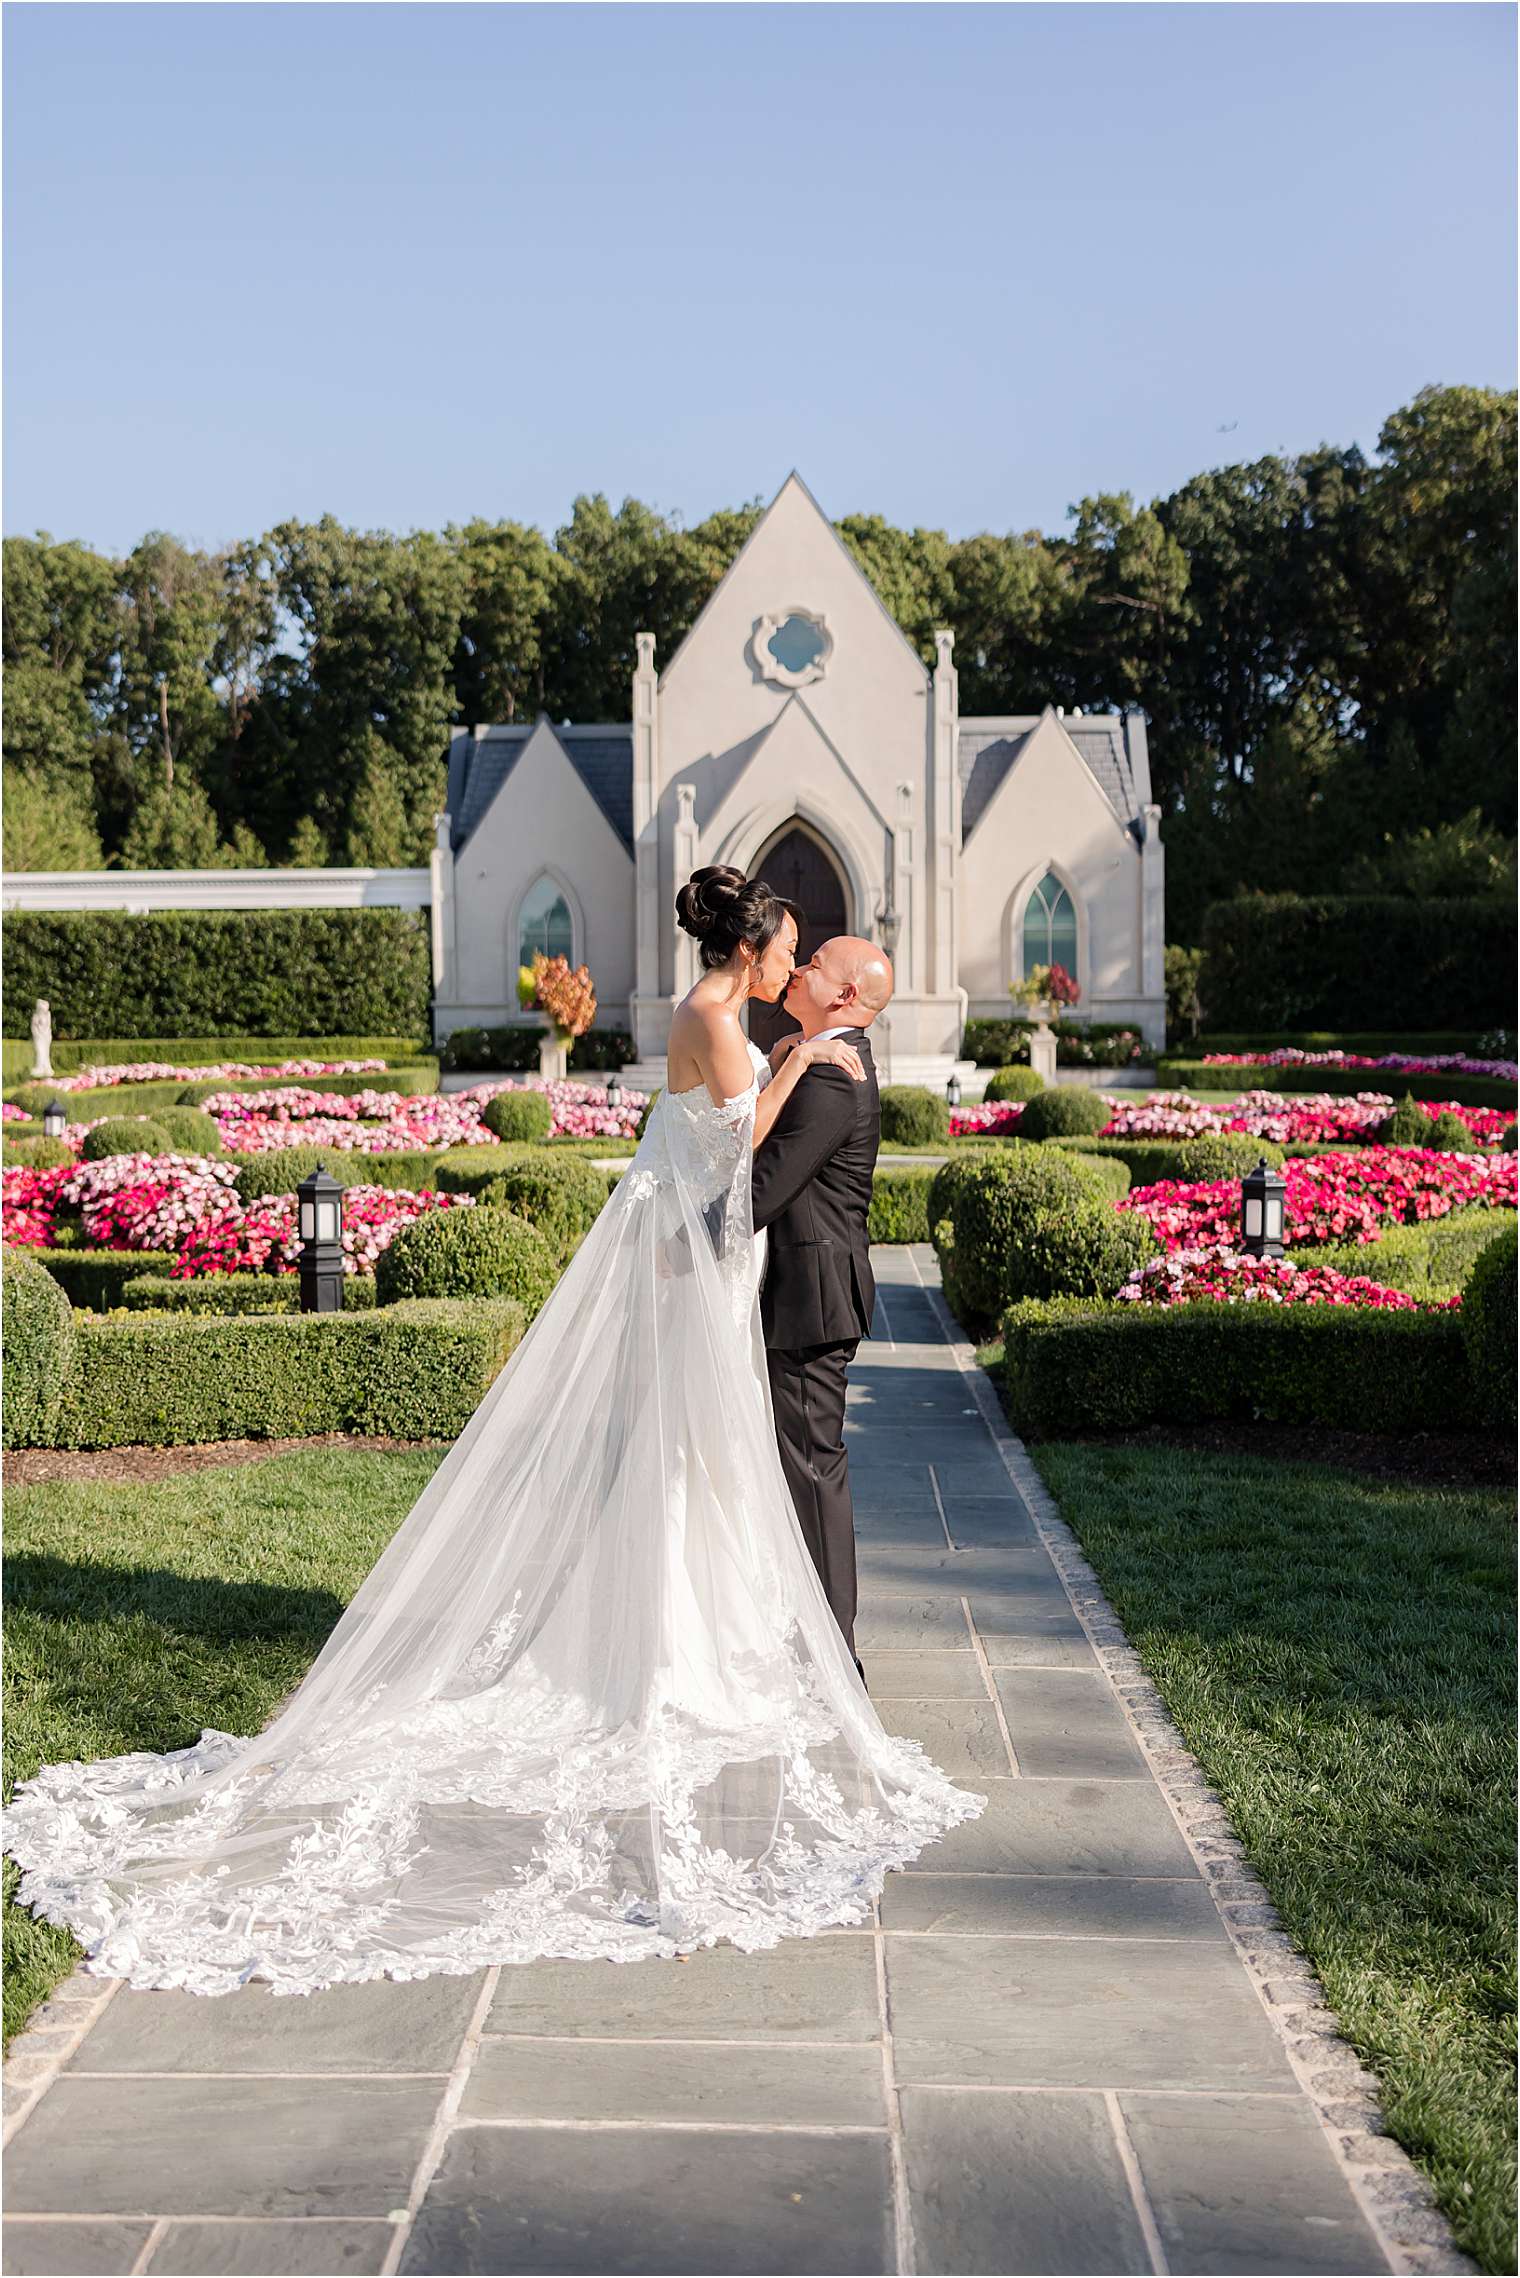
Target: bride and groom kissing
[(598, 1697)]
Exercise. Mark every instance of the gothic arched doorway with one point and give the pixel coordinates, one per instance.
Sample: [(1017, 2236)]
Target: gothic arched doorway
[(797, 865)]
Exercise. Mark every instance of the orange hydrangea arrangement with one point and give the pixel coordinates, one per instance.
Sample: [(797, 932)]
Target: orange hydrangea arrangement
[(566, 994)]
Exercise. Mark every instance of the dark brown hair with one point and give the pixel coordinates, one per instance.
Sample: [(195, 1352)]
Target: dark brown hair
[(722, 908)]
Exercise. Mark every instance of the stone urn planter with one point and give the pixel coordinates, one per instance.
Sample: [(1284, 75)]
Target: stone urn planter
[(553, 1051), (1042, 1044)]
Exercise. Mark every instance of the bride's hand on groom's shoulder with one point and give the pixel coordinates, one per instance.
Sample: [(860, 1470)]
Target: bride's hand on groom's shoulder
[(832, 1052), (781, 1049)]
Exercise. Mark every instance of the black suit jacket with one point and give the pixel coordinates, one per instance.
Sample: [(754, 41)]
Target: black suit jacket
[(812, 1192)]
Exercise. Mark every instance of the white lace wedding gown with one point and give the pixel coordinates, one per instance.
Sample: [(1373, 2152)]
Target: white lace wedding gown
[(590, 1701)]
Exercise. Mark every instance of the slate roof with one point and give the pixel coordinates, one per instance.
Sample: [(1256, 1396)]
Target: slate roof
[(601, 756), (986, 751)]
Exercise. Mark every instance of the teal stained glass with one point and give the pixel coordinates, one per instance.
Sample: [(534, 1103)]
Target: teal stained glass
[(1050, 928), (545, 923)]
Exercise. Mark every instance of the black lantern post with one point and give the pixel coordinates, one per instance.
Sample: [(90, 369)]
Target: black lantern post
[(1263, 1197), (319, 1200), (53, 1119), (953, 1090), (614, 1094)]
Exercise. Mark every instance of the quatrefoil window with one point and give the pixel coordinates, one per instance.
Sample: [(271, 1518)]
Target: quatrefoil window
[(792, 647)]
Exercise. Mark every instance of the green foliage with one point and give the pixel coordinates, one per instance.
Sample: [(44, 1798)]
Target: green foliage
[(646, 1112), (202, 972), (1184, 986), (1223, 1155), (1033, 1222), (48, 824), (415, 1370), (189, 1132), (513, 1050), (73, 1053), (913, 1116), (281, 1169), (176, 829), (1408, 1126), (36, 1351), (1450, 1134), (1489, 1308), (561, 1195), (1286, 960), (1150, 1161), (900, 1205), (474, 1252), (1200, 1076), (235, 1293), (416, 1078), (94, 1279), (1510, 1139), (1120, 1367), (1016, 1083), (1430, 1260), (1079, 1043), (518, 1115), (1452, 860), (126, 1135), (1064, 1111), (30, 1153)]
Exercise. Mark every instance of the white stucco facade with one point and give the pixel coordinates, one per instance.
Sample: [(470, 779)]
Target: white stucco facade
[(794, 725)]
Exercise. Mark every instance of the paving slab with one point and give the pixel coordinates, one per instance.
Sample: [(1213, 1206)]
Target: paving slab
[(944, 1676), (806, 1989), (1014, 2184), (1247, 2185), (908, 1624), (69, 2249), (838, 2087), (1065, 1827), (1078, 2012), (963, 1737), (270, 2250), (1051, 1906), (553, 2201), (1067, 1724), (1012, 1572), (221, 2147), (381, 2027)]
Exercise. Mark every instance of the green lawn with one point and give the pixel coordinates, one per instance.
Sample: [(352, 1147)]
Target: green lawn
[(1338, 1652), (138, 1615)]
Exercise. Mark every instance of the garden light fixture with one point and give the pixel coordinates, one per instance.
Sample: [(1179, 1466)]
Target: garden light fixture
[(953, 1091), (1263, 1196), (614, 1094), (320, 1223), (54, 1118)]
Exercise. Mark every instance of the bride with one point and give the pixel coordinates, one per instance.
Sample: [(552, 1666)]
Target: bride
[(591, 1700)]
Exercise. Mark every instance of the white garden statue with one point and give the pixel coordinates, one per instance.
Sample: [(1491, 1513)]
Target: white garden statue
[(42, 1038)]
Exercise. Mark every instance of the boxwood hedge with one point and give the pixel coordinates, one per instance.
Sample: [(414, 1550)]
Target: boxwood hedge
[(1431, 1260), (235, 1293), (900, 1204), (480, 1252), (1072, 1366), (562, 1195), (1289, 960), (1488, 1317), (913, 1116), (37, 1340), (1199, 1076)]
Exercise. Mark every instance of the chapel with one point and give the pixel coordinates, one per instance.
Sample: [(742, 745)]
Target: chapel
[(796, 734)]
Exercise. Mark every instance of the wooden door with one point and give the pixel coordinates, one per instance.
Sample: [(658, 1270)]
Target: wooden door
[(797, 867)]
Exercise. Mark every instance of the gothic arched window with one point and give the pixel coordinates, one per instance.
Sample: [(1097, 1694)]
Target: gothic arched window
[(544, 926), (1050, 927)]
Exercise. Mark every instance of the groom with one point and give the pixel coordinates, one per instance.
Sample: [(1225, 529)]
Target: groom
[(812, 1191)]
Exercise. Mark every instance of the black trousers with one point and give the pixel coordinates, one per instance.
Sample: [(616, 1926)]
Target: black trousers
[(807, 1394)]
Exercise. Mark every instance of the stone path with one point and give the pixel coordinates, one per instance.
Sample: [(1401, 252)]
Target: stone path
[(1050, 2054)]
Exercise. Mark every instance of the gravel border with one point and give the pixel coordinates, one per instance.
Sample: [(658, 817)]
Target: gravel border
[(1391, 2191)]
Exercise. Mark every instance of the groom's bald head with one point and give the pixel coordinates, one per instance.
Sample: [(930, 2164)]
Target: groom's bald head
[(844, 984)]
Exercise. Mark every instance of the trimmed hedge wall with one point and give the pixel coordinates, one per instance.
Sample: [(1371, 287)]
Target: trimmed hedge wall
[(407, 1077), (72, 1053), (1467, 1091), (1366, 961), (206, 972), (900, 1205), (1489, 1316), (416, 1370), (1069, 1366), (1036, 1222), (236, 1293), (95, 1278), (37, 1340), (1368, 1040), (281, 1169), (513, 1050), (994, 1043), (1431, 1260)]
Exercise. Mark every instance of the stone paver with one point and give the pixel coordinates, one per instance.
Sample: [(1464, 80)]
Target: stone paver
[(1050, 2056)]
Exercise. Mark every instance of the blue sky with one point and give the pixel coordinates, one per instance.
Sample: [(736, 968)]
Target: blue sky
[(960, 265)]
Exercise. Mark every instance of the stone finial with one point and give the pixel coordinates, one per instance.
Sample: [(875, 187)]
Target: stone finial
[(944, 651), (644, 643)]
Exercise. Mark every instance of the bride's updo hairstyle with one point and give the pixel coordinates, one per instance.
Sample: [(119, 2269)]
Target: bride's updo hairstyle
[(722, 907)]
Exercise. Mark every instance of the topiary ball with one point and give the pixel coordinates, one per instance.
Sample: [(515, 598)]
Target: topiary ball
[(1013, 1083), (1031, 1222), (562, 1195), (191, 1131), (1510, 1139), (1450, 1135), (37, 1337), (518, 1115), (126, 1135), (1408, 1126), (1223, 1155), (467, 1251), (913, 1116), (1064, 1111), (35, 1097), (1489, 1303), (34, 1154)]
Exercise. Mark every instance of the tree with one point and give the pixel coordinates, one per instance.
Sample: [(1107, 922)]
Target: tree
[(509, 576), (378, 835), (48, 825), (910, 570), (308, 848), (172, 621), (61, 626), (173, 828)]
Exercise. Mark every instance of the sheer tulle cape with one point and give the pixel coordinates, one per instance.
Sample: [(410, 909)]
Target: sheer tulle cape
[(590, 1701)]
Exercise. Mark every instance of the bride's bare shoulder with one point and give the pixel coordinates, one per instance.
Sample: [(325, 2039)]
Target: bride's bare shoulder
[(700, 1018)]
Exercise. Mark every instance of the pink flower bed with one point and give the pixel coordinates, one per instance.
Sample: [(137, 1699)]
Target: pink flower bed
[(165, 1071), (1228, 1278), (185, 1208), (1272, 1115), (1334, 1198), (993, 1118), (382, 1123), (1402, 1063), (11, 1113)]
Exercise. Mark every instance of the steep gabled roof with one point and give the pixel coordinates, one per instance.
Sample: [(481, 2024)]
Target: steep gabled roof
[(989, 748), (602, 757)]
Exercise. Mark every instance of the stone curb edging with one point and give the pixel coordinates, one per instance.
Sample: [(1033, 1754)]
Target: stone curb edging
[(52, 2034), (1394, 2196)]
